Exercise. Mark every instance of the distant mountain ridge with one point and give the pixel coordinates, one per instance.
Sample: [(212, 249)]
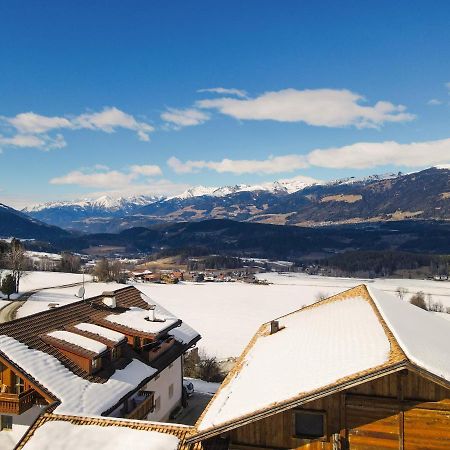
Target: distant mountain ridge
[(14, 223), (423, 195)]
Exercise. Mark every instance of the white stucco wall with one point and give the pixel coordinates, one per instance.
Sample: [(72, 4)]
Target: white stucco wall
[(8, 439), (170, 375)]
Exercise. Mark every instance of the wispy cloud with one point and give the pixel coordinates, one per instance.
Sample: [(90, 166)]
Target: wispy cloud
[(42, 142), (179, 118), (110, 119), (361, 155), (100, 176), (32, 129), (273, 164), (319, 107), (146, 170), (434, 102), (225, 91)]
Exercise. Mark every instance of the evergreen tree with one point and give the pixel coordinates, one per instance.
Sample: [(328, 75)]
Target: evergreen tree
[(8, 286)]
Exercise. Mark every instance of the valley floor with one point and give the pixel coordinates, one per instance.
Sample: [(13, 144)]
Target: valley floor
[(228, 314)]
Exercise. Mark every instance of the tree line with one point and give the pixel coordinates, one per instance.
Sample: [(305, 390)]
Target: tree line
[(385, 263)]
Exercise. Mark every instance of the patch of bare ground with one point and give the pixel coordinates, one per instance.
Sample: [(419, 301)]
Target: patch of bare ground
[(274, 219), (101, 250), (351, 198), (168, 263)]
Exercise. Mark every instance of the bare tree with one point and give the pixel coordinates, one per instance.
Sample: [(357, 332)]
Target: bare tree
[(17, 261), (418, 299), (101, 270), (70, 263), (401, 292)]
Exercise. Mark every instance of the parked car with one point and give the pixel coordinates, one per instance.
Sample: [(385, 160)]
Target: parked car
[(188, 387)]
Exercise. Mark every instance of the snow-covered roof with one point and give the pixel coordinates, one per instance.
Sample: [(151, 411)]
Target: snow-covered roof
[(30, 344), (333, 342), (64, 434), (138, 319), (78, 340), (423, 336), (103, 332), (78, 396), (51, 431)]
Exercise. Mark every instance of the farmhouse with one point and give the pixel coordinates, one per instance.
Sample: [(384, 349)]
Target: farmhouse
[(118, 354), (360, 370)]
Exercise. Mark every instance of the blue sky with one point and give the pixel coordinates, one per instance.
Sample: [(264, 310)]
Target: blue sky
[(103, 96)]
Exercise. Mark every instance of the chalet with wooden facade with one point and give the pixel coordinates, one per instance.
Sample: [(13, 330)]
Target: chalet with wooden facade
[(360, 370), (118, 354)]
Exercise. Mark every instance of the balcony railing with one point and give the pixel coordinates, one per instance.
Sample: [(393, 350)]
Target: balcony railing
[(143, 407), (17, 403), (160, 349)]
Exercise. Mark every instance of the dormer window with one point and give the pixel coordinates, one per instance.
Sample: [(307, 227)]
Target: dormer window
[(116, 352), (96, 364)]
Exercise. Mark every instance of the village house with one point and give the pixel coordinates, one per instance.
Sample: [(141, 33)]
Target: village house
[(360, 370), (118, 354)]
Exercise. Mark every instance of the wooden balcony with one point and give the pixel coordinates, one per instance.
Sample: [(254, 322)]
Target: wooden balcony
[(143, 407), (156, 352), (17, 403)]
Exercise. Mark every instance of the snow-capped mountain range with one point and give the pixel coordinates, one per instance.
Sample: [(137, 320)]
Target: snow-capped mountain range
[(300, 201), (111, 204), (105, 202)]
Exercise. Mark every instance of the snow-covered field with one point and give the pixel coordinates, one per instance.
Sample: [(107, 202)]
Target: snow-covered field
[(228, 314), (39, 301), (40, 280)]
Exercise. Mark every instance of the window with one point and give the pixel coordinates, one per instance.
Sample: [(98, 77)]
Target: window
[(171, 391), (19, 384), (116, 352), (2, 370), (96, 364), (157, 404), (309, 424), (6, 423), (136, 342)]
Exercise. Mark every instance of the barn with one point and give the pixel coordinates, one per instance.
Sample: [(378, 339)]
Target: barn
[(360, 370)]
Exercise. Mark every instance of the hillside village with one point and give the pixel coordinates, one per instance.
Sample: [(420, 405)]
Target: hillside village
[(225, 225), (116, 360), (99, 349)]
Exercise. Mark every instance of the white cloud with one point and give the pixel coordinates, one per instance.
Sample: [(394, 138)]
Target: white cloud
[(102, 177), (225, 91), (111, 118), (273, 164), (361, 155), (364, 155), (146, 170), (32, 128), (111, 179), (434, 102), (184, 117), (32, 123), (319, 107)]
